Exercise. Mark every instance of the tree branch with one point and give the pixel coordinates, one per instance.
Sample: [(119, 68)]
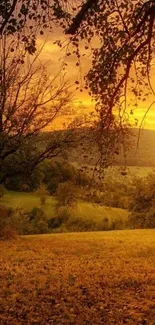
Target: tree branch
[(80, 16), (8, 15)]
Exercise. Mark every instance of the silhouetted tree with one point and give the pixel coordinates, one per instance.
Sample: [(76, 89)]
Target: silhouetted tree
[(124, 33), (27, 18), (23, 21), (30, 100), (123, 58)]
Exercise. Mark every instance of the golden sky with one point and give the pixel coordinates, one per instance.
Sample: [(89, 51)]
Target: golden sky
[(55, 57)]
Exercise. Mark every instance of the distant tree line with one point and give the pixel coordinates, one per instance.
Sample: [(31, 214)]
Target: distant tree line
[(49, 172), (69, 186)]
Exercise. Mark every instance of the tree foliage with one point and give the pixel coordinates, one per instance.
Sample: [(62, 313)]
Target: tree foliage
[(30, 100), (27, 92), (28, 18), (142, 206), (67, 194), (55, 172), (124, 34), (121, 37), (42, 192)]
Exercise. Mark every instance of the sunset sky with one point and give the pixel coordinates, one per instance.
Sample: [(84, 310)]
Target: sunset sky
[(55, 58)]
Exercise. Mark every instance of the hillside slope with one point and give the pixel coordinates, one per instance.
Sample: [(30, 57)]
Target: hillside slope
[(142, 150)]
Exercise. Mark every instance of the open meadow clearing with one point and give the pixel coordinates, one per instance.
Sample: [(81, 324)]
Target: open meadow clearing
[(79, 278), (86, 216)]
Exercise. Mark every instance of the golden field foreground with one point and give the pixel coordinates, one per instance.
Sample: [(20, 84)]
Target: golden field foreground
[(79, 278)]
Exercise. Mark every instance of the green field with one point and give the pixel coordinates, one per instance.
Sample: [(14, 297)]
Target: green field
[(85, 213), (79, 279), (27, 201)]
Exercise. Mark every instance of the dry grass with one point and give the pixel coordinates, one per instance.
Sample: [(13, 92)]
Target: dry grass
[(80, 278)]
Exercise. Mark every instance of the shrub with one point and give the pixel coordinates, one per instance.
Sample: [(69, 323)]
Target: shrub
[(5, 217), (94, 196), (8, 233), (19, 221), (67, 194), (2, 191), (117, 188), (5, 214), (14, 221), (38, 223), (61, 218), (26, 183), (57, 172), (65, 220), (29, 222), (80, 224), (22, 222), (142, 206), (42, 192), (61, 172), (82, 179)]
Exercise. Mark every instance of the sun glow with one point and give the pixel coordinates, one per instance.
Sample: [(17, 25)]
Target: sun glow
[(56, 57)]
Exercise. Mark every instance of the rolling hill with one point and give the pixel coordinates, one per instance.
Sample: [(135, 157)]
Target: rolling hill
[(142, 150), (139, 152)]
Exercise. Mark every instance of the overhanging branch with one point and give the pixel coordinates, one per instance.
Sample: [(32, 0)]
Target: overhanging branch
[(80, 16)]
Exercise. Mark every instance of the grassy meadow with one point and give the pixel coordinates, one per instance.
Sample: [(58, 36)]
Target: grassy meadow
[(27, 201), (79, 278), (87, 215)]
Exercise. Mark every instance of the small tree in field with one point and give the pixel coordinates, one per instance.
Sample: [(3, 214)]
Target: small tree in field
[(42, 192), (67, 194), (142, 207)]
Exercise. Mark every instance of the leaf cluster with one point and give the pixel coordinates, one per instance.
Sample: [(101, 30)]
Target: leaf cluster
[(30, 17), (142, 207), (120, 35)]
